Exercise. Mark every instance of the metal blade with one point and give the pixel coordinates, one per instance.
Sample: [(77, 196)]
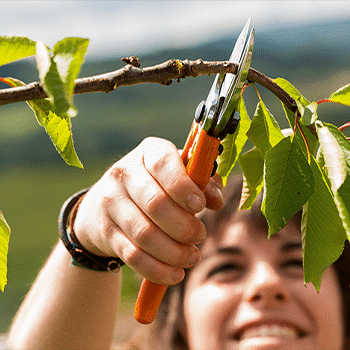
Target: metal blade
[(223, 83), (240, 43), (235, 58), (233, 94)]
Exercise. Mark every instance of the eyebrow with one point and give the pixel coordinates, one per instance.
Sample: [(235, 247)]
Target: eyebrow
[(229, 250), (290, 246), (223, 251), (285, 248)]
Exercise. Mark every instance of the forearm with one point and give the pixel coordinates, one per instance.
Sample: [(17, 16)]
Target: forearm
[(67, 308)]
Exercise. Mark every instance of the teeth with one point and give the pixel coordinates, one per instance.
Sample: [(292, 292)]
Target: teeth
[(270, 331)]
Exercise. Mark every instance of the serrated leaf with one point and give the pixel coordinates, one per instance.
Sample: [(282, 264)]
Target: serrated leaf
[(288, 183), (69, 56), (234, 143), (59, 129), (58, 72), (323, 234), (341, 96), (5, 232), (14, 48), (51, 80), (252, 165), (264, 131), (336, 156), (310, 114), (300, 100)]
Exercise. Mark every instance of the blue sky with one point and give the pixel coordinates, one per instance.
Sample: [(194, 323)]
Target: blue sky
[(119, 28)]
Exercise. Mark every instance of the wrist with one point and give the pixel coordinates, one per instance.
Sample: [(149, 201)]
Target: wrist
[(80, 256)]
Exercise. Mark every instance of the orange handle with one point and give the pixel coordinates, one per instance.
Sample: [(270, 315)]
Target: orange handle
[(199, 161)]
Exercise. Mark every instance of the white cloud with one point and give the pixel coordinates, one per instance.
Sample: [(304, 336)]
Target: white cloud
[(132, 27)]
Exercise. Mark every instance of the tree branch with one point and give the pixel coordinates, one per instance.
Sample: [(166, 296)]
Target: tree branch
[(162, 73)]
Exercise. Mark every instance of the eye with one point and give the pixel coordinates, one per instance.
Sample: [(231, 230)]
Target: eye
[(293, 267), (226, 271)]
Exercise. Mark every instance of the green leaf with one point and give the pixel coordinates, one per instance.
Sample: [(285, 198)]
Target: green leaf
[(336, 156), (69, 56), (300, 100), (58, 128), (252, 165), (14, 48), (51, 80), (288, 183), (310, 114), (341, 96), (264, 131), (5, 232), (322, 231), (57, 73), (234, 143)]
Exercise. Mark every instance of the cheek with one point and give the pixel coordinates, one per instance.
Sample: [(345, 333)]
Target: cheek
[(325, 310), (206, 309)]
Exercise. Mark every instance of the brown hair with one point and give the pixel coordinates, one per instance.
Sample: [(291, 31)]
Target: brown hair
[(166, 331)]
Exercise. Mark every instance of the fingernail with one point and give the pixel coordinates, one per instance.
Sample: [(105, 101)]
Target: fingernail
[(178, 275), (217, 193), (194, 259), (195, 202)]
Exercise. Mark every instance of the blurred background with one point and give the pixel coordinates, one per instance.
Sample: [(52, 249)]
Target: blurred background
[(307, 43)]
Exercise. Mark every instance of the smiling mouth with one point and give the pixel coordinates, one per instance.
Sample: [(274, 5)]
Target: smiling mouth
[(273, 330)]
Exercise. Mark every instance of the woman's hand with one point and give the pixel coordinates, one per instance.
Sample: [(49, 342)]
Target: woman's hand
[(142, 211)]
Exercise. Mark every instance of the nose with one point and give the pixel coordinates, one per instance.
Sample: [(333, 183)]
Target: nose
[(265, 287)]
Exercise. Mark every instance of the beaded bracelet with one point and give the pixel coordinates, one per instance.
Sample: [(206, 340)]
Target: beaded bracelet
[(80, 256)]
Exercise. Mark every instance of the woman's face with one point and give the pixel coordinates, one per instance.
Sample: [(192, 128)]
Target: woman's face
[(248, 293)]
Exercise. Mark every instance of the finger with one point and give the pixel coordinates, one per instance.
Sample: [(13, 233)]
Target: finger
[(214, 193), (164, 163), (146, 265), (129, 220), (161, 209)]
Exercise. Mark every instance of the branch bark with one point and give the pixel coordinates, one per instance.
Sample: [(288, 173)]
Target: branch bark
[(162, 73)]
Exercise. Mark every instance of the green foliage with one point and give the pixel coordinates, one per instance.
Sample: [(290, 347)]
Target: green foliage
[(264, 131), (322, 230), (288, 183), (281, 163), (58, 72), (58, 128), (252, 164), (336, 155), (234, 143), (4, 244), (14, 48), (341, 96)]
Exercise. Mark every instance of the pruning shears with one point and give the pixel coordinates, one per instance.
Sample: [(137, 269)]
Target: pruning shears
[(214, 119)]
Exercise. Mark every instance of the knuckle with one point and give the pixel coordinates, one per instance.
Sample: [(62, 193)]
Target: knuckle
[(107, 229), (132, 255), (157, 164), (118, 172), (142, 232), (192, 233), (154, 202)]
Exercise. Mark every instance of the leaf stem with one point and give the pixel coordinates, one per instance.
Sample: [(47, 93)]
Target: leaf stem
[(344, 126), (323, 101), (257, 92), (297, 124)]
